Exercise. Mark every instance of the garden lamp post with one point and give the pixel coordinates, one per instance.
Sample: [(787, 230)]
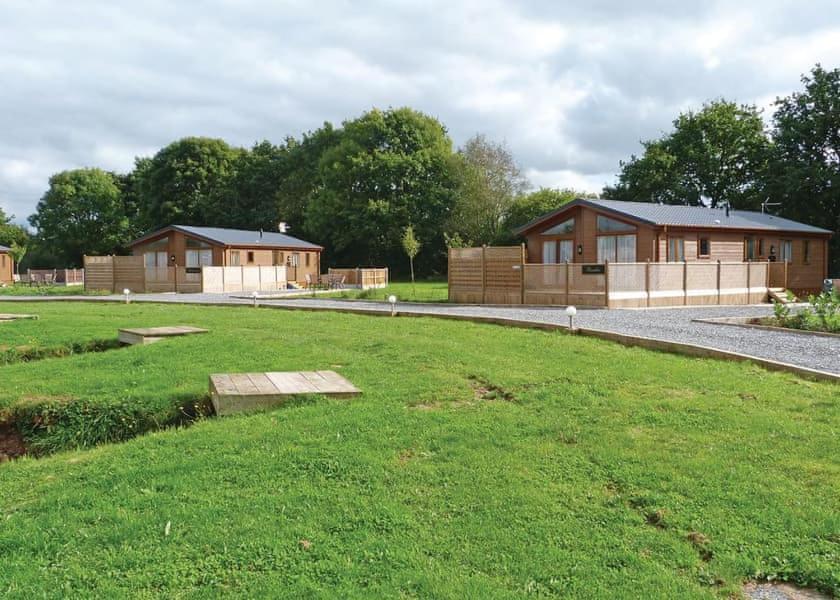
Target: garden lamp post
[(393, 300), (127, 295), (571, 311), (255, 294)]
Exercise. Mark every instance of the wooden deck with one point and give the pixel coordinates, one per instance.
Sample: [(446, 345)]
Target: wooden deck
[(245, 392), (150, 335), (15, 317)]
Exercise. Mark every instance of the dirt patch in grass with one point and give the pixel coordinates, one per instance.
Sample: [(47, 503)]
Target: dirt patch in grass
[(483, 391), (11, 443)]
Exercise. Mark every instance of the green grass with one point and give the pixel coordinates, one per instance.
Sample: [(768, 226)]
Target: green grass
[(480, 462), (421, 291), (49, 290)]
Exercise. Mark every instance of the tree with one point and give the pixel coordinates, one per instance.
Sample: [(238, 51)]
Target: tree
[(387, 170), (411, 245), (17, 252), (490, 181), (716, 155), (805, 173), (181, 183), (9, 232), (81, 213)]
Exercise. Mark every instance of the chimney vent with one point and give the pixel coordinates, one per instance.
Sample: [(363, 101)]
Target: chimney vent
[(282, 227)]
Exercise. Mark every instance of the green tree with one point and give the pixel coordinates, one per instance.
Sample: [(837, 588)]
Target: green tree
[(805, 173), (9, 232), (181, 183), (411, 245), (81, 213), (389, 169), (715, 155), (490, 182), (17, 252)]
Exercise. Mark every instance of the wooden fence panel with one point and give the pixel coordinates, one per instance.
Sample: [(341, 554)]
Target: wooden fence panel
[(587, 284), (466, 275), (99, 273), (503, 275), (701, 283)]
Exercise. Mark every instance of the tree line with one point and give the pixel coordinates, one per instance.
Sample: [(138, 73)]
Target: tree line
[(358, 187)]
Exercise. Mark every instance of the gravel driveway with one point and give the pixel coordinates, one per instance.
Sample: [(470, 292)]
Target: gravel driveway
[(672, 324)]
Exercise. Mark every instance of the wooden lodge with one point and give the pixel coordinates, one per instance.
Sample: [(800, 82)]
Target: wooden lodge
[(600, 231), (6, 266), (196, 247)]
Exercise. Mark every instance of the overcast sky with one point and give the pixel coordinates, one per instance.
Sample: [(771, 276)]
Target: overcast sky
[(571, 87)]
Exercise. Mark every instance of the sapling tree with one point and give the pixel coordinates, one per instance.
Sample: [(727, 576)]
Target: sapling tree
[(411, 245)]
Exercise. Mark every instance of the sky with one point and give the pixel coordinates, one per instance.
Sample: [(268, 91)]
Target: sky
[(570, 87)]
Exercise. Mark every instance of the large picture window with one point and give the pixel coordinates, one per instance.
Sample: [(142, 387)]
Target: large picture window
[(549, 250), (786, 251), (616, 248)]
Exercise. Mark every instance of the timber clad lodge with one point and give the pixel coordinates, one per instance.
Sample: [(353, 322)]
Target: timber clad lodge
[(597, 231)]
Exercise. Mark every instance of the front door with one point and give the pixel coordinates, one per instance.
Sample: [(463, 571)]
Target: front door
[(292, 266)]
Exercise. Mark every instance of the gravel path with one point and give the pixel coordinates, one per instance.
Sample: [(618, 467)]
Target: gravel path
[(674, 324)]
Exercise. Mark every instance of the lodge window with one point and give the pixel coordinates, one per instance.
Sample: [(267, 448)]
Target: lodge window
[(307, 259), (234, 258), (676, 249), (608, 225), (250, 257), (616, 248), (703, 247), (567, 226), (154, 259), (786, 251), (806, 252), (761, 246), (278, 257), (749, 248)]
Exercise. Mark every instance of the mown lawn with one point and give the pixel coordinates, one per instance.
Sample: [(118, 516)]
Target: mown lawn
[(421, 291), (49, 290), (479, 462)]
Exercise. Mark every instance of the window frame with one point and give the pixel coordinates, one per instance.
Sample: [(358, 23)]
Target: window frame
[(615, 246), (235, 258), (749, 249), (700, 253), (806, 252), (669, 253), (249, 257), (626, 227)]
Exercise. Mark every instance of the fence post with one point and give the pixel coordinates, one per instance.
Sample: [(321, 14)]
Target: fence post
[(647, 283), (568, 272), (718, 281), (786, 274), (685, 282), (749, 289), (522, 276), (483, 275), (607, 283), (449, 274)]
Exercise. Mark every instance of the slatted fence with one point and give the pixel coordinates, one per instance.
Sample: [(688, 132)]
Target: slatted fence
[(500, 275)]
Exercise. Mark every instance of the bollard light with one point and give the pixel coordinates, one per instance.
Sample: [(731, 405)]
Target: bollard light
[(571, 311), (127, 295), (393, 300), (255, 294)]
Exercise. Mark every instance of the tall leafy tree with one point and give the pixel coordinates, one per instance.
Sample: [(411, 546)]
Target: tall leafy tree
[(805, 174), (388, 170), (715, 155), (11, 233), (81, 213), (181, 183), (490, 182)]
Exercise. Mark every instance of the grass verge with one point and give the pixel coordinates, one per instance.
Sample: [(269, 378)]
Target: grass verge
[(481, 461)]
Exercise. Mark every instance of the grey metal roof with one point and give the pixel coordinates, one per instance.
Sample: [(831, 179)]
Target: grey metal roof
[(237, 237), (688, 216), (4, 248)]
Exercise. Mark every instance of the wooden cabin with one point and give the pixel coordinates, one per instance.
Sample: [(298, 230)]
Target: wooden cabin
[(595, 231), (7, 266), (189, 246)]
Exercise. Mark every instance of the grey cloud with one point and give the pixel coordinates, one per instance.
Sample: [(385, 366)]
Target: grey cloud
[(571, 87)]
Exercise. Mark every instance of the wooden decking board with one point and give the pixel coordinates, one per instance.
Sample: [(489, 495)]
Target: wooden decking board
[(15, 317), (244, 392)]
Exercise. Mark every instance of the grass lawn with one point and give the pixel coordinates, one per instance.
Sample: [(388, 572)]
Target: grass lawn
[(480, 461), (421, 291), (49, 290)]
